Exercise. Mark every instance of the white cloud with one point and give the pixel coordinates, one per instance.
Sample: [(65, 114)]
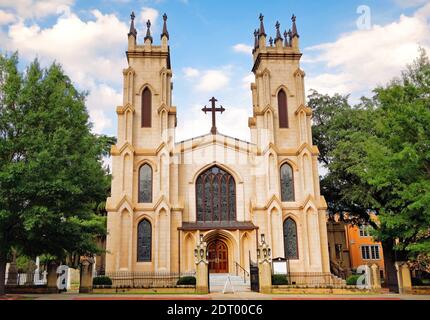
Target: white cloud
[(247, 80), (190, 72), (102, 101), (360, 60), (213, 80), (146, 14), (89, 51), (36, 8), (6, 17), (243, 48)]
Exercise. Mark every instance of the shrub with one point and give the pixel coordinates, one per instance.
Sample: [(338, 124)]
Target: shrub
[(102, 281), (279, 279), (417, 282), (352, 280), (186, 281)]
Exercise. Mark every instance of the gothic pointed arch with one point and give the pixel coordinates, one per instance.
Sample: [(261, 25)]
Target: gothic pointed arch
[(287, 183), (146, 108), (145, 183), (144, 241), (283, 109), (215, 196), (291, 248)]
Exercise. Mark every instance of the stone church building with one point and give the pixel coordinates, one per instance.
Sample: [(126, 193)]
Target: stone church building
[(166, 194)]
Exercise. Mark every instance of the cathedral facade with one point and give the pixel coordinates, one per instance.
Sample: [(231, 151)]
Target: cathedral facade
[(167, 194)]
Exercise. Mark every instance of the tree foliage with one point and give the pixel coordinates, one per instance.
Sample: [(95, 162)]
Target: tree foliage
[(51, 175), (377, 154)]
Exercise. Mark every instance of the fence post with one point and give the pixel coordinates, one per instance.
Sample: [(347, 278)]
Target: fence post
[(52, 277), (12, 276), (375, 277), (86, 277), (404, 277), (264, 266), (202, 266)]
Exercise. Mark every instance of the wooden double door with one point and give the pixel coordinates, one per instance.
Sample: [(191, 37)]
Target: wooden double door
[(218, 257)]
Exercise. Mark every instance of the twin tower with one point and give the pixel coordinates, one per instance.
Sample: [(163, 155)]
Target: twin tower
[(166, 194)]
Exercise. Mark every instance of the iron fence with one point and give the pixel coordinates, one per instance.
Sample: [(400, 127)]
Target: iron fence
[(26, 279), (125, 279), (309, 278)]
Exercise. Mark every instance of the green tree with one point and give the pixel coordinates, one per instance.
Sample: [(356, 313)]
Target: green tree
[(52, 180), (378, 161)]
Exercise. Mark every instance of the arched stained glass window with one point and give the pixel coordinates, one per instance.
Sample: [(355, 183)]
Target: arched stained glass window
[(144, 241), (145, 184), (216, 196), (283, 109), (146, 108), (287, 183), (291, 247)]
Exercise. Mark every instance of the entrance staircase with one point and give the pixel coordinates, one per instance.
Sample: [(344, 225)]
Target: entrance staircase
[(217, 282)]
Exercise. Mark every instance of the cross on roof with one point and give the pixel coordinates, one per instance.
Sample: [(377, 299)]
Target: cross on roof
[(213, 109)]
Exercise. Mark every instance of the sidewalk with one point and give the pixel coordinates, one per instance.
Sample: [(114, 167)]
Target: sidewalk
[(214, 296)]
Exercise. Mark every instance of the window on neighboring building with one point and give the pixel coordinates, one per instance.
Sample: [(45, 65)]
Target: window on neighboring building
[(145, 184), (283, 109), (365, 231), (146, 108), (291, 249), (144, 241), (370, 252), (216, 196), (287, 183), (338, 248)]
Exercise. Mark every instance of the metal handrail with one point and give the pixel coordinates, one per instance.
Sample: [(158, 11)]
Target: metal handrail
[(245, 273)]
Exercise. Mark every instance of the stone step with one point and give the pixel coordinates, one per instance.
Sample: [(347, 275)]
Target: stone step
[(217, 283)]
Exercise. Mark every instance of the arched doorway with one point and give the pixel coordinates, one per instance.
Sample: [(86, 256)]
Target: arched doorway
[(218, 257)]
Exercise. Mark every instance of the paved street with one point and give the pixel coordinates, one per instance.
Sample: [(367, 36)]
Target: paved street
[(214, 296)]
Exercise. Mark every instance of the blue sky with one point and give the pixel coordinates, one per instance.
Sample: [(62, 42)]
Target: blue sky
[(210, 48)]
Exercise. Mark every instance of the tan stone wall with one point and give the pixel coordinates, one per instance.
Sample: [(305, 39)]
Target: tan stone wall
[(255, 167)]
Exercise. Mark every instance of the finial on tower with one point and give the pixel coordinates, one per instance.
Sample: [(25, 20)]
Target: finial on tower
[(262, 31), (290, 37), (255, 39), (133, 30), (286, 44), (271, 41), (295, 33), (148, 31), (165, 32), (278, 32)]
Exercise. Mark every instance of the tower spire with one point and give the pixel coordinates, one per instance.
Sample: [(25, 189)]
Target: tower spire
[(165, 32), (148, 31), (295, 33), (286, 44), (262, 32), (255, 39), (133, 30), (278, 32), (290, 38)]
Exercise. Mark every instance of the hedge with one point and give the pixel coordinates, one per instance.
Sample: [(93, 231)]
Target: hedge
[(186, 281), (102, 281), (279, 280)]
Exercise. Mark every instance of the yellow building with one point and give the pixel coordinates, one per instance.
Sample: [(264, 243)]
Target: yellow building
[(166, 193)]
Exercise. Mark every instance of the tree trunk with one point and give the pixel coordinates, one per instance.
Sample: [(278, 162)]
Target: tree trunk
[(3, 261), (391, 281)]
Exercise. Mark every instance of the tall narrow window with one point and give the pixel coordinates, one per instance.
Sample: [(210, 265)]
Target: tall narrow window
[(282, 109), (145, 184), (290, 240), (144, 241), (146, 108), (287, 183)]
